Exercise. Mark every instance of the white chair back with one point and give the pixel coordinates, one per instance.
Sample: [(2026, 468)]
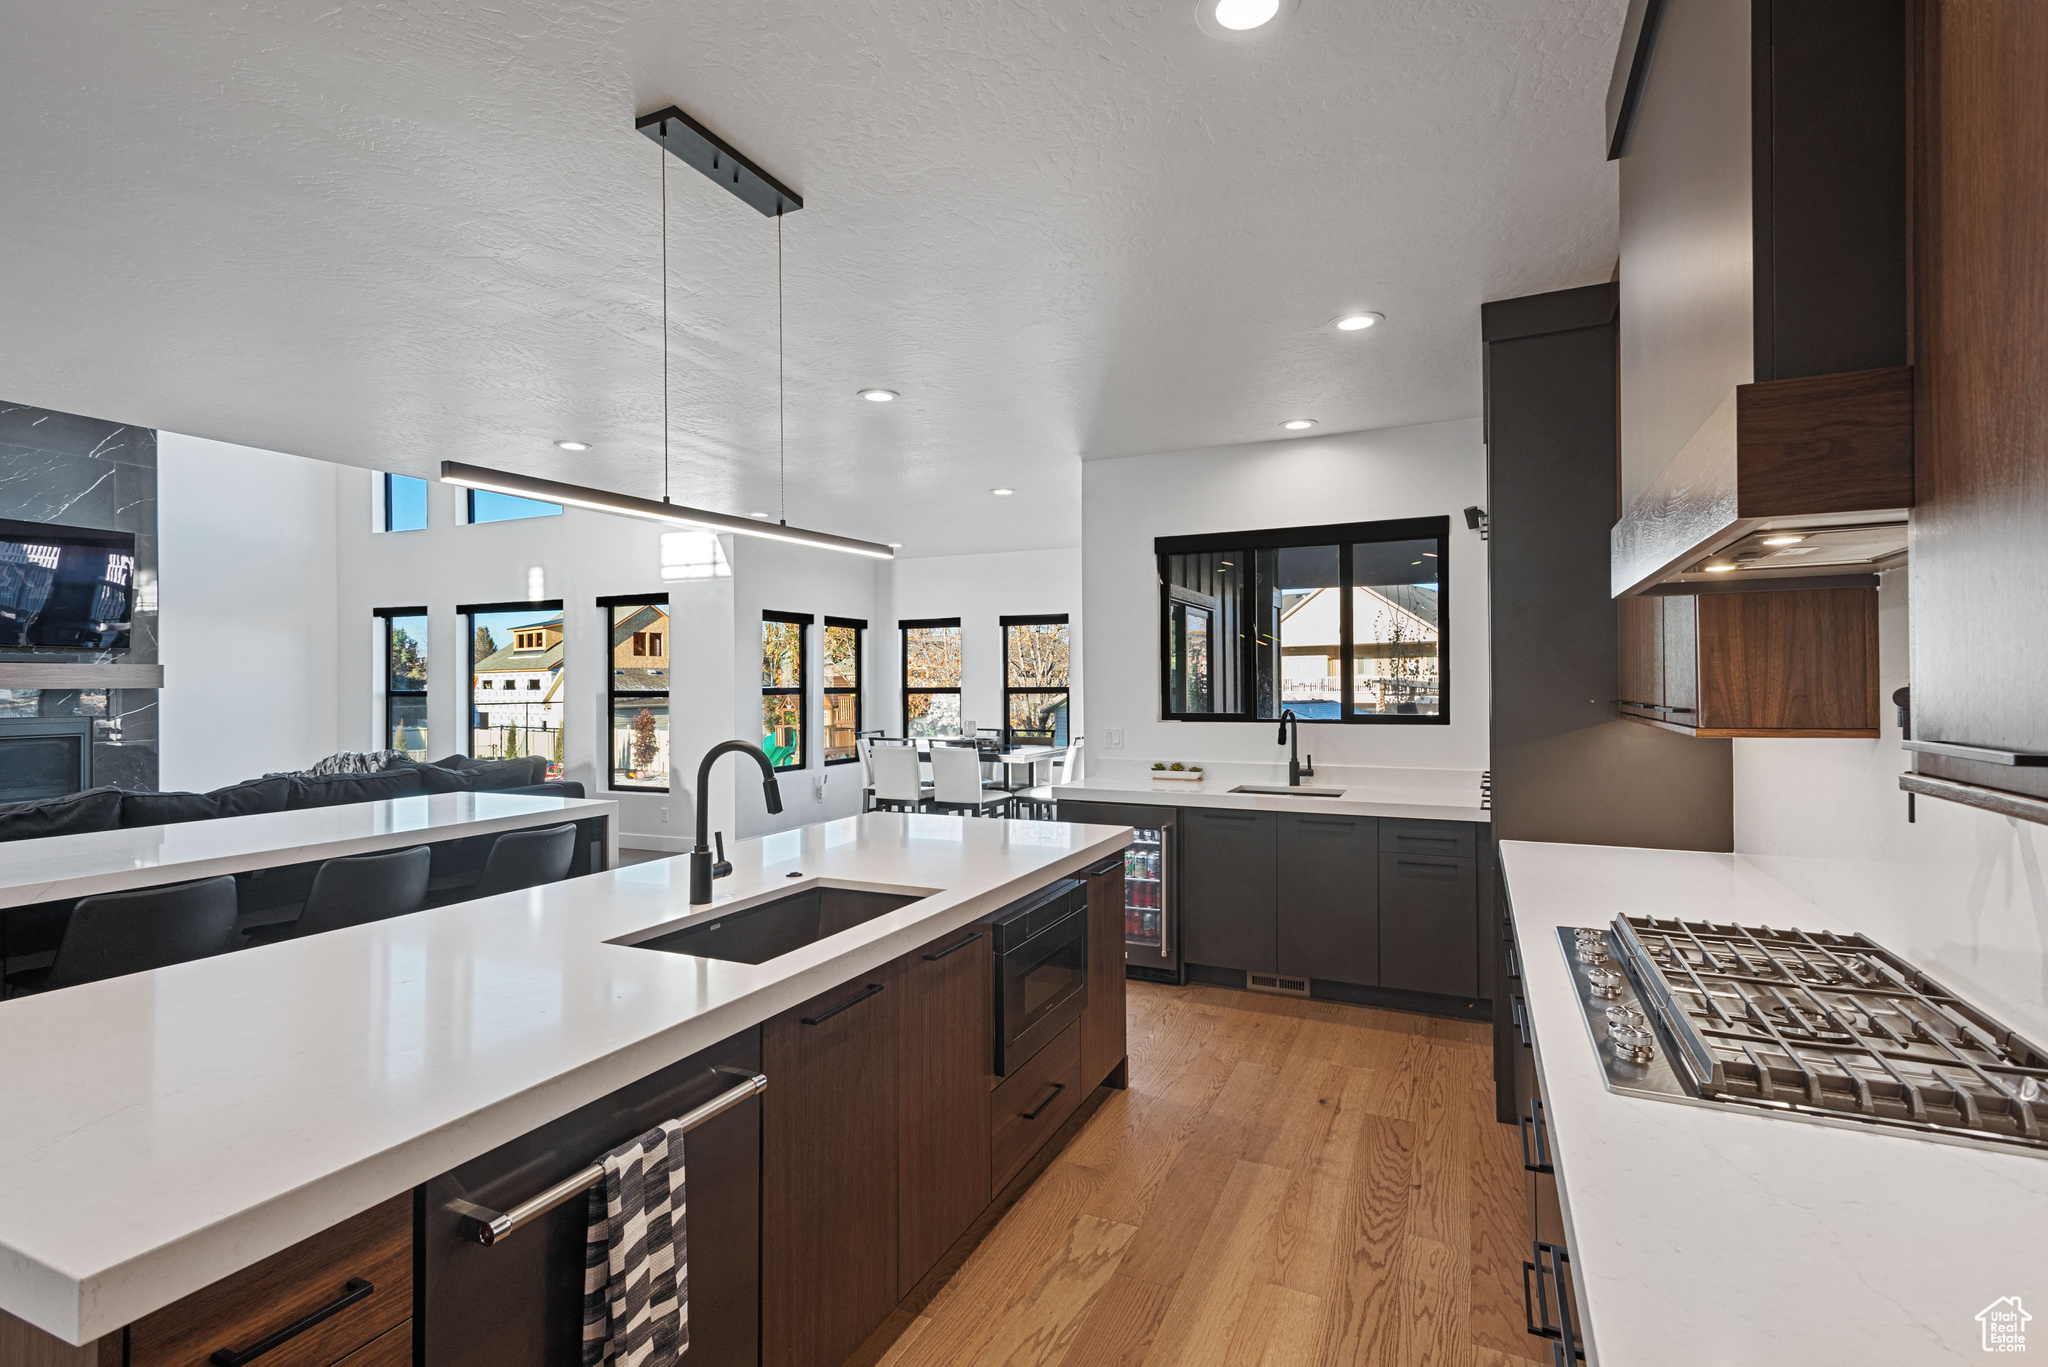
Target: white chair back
[(896, 774), (956, 774), (865, 747), (1072, 768)]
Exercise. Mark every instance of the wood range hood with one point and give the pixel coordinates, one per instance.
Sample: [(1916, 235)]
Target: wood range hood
[(1766, 405), (1787, 479)]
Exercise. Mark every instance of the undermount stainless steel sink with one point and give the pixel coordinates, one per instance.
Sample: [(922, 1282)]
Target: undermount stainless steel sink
[(1282, 790), (757, 934)]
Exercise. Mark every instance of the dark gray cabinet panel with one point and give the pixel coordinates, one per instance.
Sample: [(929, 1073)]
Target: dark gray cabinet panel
[(1429, 925), (1329, 896), (1451, 838), (1229, 862)]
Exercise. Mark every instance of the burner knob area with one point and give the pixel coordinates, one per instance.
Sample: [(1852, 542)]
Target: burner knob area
[(1631, 1041), (1603, 982), (1592, 952)]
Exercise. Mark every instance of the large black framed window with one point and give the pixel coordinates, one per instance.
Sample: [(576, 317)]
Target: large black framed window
[(405, 679), (842, 641), (785, 664), (931, 676), (1037, 660), (517, 708), (637, 675), (1348, 622)]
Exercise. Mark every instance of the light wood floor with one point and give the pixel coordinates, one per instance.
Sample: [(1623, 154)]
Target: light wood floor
[(1285, 1182)]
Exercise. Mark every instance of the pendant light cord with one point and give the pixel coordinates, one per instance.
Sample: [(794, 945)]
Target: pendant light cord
[(781, 421), (664, 310)]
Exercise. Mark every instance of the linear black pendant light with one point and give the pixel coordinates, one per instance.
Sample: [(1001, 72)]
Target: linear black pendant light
[(678, 135)]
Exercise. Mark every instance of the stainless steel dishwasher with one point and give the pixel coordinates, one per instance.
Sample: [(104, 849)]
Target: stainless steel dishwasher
[(508, 1291)]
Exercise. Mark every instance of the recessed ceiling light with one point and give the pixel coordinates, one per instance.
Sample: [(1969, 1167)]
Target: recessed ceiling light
[(1718, 569), (762, 516), (1783, 540), (1002, 493), (1299, 424), (1241, 15), (1358, 322), (878, 395), (574, 445)]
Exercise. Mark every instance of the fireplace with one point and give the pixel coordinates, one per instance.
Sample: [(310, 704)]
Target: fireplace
[(44, 757)]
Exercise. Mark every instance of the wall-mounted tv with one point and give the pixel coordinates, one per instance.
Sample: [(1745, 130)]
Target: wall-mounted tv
[(65, 588)]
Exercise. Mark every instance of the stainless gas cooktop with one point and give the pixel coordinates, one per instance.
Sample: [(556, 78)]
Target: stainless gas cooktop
[(1811, 1025)]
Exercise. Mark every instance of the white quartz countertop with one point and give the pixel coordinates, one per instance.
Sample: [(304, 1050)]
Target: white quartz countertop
[(1706, 1237), (168, 1128), (63, 866), (1417, 794)]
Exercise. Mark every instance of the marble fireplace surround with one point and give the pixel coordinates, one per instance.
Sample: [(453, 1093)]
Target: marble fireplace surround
[(85, 472)]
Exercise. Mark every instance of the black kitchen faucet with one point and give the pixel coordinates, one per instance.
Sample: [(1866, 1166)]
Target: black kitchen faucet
[(1295, 773)]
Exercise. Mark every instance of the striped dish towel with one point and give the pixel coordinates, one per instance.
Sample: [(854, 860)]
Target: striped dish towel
[(636, 1270)]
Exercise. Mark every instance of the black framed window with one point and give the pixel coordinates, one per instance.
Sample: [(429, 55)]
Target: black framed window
[(842, 690), (931, 676), (637, 675), (517, 709), (785, 661), (1347, 623), (405, 503), (1037, 664), (405, 680)]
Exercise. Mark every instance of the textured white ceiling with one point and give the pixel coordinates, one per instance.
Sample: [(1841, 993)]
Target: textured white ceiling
[(388, 233)]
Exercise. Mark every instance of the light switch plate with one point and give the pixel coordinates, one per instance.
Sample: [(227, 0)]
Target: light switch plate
[(1113, 738)]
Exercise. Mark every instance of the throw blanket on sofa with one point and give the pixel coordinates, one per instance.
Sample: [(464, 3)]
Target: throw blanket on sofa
[(347, 762)]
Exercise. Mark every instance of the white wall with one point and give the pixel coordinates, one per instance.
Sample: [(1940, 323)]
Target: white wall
[(1429, 470), (581, 556), (247, 588), (981, 590), (769, 576), (1960, 892)]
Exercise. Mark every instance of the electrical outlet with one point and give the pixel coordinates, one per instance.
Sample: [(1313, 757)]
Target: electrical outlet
[(664, 815), (1113, 738), (818, 788)]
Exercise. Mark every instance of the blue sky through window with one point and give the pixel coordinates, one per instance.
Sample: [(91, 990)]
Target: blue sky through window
[(486, 506), (405, 503)]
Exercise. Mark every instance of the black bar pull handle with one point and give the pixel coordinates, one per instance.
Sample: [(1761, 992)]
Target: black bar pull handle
[(1051, 1097), (1106, 866), (1536, 1159), (354, 1290), (949, 949), (824, 1016)]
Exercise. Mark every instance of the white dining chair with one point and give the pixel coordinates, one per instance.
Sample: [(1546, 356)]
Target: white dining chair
[(898, 782), (956, 782), (864, 747), (1040, 800)]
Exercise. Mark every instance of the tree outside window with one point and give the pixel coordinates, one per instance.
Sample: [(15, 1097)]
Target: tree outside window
[(1037, 663), (931, 677), (842, 689), (782, 687), (637, 682), (405, 683)]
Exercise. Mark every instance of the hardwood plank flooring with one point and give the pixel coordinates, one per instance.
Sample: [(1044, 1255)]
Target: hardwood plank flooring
[(1285, 1182)]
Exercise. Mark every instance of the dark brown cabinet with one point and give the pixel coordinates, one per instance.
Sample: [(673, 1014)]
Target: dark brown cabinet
[(944, 1049), (1229, 870), (1780, 662), (1328, 921), (829, 1162), (1979, 568), (1102, 1022)]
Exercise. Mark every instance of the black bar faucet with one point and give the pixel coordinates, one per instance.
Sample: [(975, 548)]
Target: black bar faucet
[(701, 869), (1295, 773)]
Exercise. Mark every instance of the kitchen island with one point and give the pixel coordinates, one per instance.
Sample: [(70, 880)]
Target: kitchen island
[(173, 1127), (1703, 1234)]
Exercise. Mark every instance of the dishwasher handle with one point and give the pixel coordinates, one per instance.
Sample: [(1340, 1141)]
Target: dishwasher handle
[(482, 1225)]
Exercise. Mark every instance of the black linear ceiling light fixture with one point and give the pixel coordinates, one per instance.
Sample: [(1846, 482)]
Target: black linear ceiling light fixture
[(683, 137)]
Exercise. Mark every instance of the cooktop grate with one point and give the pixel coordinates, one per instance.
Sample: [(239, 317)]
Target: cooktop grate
[(1830, 1024)]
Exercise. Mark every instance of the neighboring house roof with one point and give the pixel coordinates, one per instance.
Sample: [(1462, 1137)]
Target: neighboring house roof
[(510, 661), (640, 680)]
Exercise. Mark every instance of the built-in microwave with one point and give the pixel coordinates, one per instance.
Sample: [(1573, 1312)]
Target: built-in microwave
[(1041, 980)]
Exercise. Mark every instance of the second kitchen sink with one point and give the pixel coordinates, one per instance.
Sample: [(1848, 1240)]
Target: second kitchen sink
[(754, 935), (1282, 790)]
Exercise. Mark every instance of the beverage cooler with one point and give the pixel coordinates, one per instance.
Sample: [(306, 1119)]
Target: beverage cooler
[(1151, 883)]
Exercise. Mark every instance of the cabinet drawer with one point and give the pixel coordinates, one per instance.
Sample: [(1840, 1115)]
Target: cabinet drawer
[(1452, 838), (240, 1311), (1429, 925), (1031, 1104), (392, 1348)]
